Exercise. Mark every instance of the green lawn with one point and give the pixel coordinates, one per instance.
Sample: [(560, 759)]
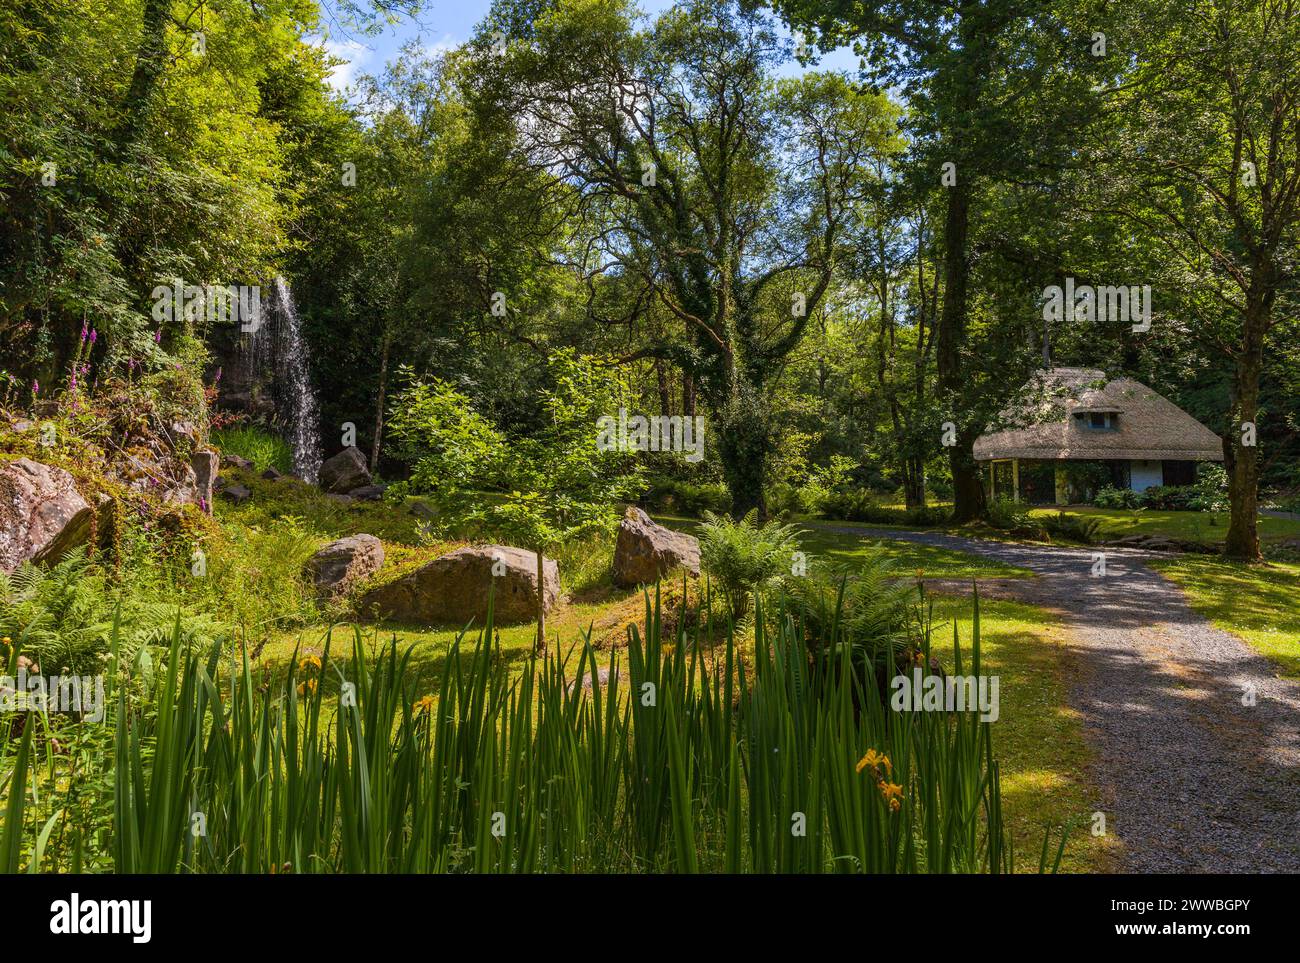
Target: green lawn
[(1204, 527), (1259, 603)]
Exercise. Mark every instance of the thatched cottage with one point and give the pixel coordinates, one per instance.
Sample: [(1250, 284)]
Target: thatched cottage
[(1085, 431)]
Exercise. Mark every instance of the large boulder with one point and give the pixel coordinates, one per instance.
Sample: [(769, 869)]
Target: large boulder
[(454, 588), (42, 515), (345, 471), (645, 551), (341, 564)]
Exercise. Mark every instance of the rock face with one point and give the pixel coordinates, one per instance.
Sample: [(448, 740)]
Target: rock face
[(340, 565), (454, 588), (42, 515), (645, 551), (344, 472)]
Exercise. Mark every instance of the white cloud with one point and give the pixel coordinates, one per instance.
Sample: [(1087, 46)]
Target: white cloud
[(355, 55), (442, 45)]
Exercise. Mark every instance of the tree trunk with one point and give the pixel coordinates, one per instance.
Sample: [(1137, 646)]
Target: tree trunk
[(1242, 541), (744, 477), (379, 404), (688, 394), (914, 483), (967, 494), (150, 59), (967, 491), (665, 396), (541, 602), (743, 447)]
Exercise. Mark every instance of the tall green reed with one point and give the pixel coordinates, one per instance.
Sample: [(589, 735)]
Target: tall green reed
[(694, 756)]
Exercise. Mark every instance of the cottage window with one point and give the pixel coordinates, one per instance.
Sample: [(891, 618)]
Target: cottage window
[(1098, 420)]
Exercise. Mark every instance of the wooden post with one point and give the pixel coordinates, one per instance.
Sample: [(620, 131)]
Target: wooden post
[(1015, 478), (1062, 485)]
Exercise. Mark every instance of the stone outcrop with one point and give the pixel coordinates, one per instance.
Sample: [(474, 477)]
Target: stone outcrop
[(368, 493), (205, 464), (236, 493), (344, 472), (42, 515), (454, 588), (339, 566), (646, 551)]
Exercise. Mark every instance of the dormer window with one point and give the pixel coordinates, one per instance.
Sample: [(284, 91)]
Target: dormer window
[(1097, 420)]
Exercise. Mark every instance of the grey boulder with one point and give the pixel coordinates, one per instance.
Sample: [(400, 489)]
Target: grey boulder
[(341, 564), (454, 588), (344, 472), (646, 551), (42, 515)]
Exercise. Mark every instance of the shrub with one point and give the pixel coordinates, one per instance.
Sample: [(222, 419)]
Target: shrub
[(1075, 528), (1210, 493), (825, 482), (675, 497), (862, 506), (1009, 515), (1168, 497), (1112, 497), (854, 506), (745, 557), (1288, 503), (873, 609)]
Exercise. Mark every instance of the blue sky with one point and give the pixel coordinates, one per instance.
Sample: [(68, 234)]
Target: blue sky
[(448, 23)]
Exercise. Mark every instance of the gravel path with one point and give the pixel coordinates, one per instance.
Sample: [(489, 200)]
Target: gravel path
[(1194, 780)]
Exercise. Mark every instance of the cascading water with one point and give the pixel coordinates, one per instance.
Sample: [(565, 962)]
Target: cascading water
[(304, 409), (277, 352)]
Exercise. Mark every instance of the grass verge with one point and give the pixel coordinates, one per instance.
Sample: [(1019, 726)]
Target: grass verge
[(1258, 603)]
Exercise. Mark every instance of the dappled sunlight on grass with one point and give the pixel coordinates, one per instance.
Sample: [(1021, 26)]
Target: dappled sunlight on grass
[(1258, 603), (1207, 527)]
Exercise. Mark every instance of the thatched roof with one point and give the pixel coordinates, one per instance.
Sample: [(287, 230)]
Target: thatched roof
[(1149, 426)]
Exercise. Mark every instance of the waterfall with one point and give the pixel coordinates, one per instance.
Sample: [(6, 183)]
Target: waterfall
[(296, 390)]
